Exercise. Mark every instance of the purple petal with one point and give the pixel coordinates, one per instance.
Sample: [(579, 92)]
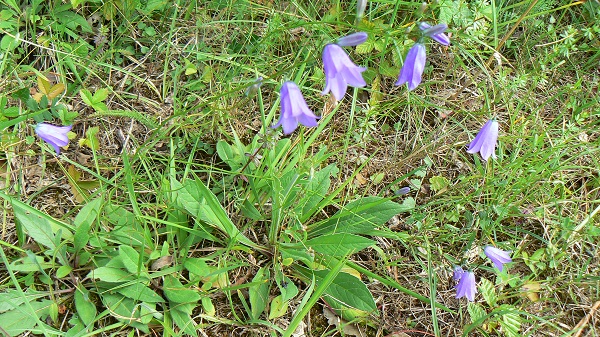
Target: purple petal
[(498, 256), (436, 32), (458, 273), (485, 141), (352, 40), (413, 67), (466, 287), (361, 5), (340, 71), (294, 109), (54, 135)]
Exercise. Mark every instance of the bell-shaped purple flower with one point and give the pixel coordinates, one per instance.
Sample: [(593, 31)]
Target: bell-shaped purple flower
[(294, 109), (352, 40), (436, 32), (54, 135), (413, 67), (458, 273), (498, 256), (361, 5), (340, 71), (485, 141), (466, 286)]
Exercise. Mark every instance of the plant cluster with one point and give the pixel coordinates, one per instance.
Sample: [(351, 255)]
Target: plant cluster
[(267, 227)]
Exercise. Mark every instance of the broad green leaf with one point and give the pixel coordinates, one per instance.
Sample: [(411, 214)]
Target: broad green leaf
[(100, 95), (511, 321), (8, 42), (83, 222), (197, 266), (87, 97), (229, 155), (208, 306), (18, 321), (184, 322), (296, 252), (177, 292), (278, 307), (315, 190), (140, 292), (108, 274), (11, 299), (37, 227), (85, 308), (350, 292), (148, 311), (73, 21), (124, 309), (476, 312), (200, 202), (63, 271), (438, 183), (127, 229), (130, 258), (287, 288), (487, 290), (31, 263), (259, 293), (345, 293), (338, 245), (359, 217)]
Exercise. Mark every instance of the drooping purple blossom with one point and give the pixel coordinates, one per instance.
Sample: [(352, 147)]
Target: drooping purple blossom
[(361, 5), (340, 71), (458, 273), (485, 141), (413, 67), (466, 286), (54, 135), (294, 109), (498, 256), (353, 39), (436, 32), (402, 191)]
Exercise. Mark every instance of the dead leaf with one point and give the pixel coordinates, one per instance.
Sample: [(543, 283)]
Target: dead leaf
[(299, 332), (348, 328), (161, 262), (360, 179), (531, 290)]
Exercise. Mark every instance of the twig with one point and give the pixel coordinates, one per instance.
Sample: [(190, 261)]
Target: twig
[(584, 321)]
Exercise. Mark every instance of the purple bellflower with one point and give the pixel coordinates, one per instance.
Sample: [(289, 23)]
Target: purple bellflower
[(353, 39), (54, 135), (340, 71), (498, 256), (294, 109), (466, 286), (361, 5), (413, 67), (458, 273), (402, 191), (485, 141), (436, 32)]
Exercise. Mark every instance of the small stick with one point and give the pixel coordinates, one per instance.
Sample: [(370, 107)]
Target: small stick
[(584, 321)]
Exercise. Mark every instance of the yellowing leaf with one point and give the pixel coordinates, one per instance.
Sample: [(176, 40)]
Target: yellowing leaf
[(43, 85), (190, 70), (55, 91), (80, 188), (531, 290)]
